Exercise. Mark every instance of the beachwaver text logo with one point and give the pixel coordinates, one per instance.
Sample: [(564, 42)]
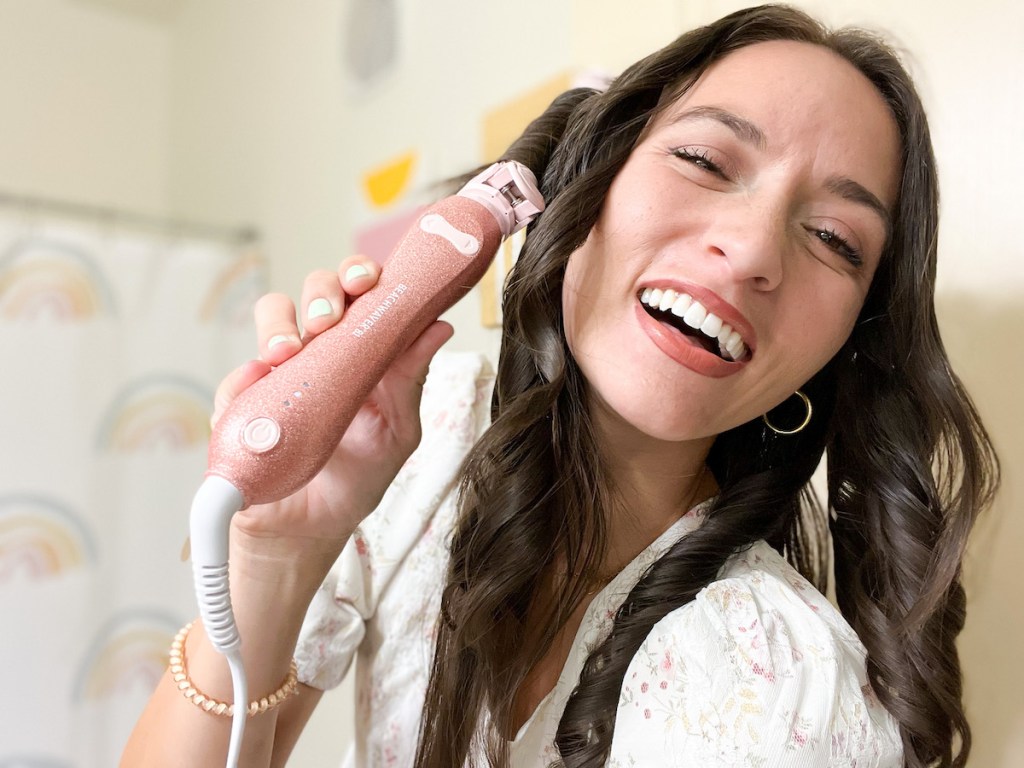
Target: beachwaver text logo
[(389, 301)]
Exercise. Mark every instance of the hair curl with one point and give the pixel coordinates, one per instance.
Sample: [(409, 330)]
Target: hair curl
[(909, 463)]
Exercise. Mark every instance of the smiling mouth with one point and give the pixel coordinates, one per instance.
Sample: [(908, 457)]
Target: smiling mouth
[(691, 318)]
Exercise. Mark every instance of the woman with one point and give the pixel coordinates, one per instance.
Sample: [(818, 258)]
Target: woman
[(614, 592)]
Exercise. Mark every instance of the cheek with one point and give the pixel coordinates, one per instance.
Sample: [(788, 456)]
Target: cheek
[(846, 316), (823, 332), (584, 288)]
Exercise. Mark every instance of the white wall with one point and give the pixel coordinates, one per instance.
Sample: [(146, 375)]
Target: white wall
[(83, 105), (265, 127)]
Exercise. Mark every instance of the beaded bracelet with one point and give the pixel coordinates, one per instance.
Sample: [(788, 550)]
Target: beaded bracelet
[(289, 687)]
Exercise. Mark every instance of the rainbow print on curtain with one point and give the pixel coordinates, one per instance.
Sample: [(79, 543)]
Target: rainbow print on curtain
[(49, 279), (233, 292), (128, 655), (157, 412), (114, 343), (41, 538)]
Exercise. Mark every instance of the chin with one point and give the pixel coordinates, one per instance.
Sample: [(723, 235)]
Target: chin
[(625, 417)]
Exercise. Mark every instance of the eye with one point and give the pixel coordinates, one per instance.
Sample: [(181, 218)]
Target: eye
[(839, 244), (700, 158)]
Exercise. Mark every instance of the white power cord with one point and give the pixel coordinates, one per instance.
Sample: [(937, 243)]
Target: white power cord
[(214, 504)]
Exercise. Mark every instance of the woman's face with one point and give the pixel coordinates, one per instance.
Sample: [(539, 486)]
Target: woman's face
[(761, 197)]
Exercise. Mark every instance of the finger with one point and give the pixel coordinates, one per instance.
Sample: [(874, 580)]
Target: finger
[(276, 329), (235, 383), (358, 274), (323, 302)]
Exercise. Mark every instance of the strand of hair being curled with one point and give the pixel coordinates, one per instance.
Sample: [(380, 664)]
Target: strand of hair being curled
[(910, 465), (518, 485)]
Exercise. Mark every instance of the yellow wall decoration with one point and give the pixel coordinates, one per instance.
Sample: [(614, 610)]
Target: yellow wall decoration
[(386, 183), (501, 127)]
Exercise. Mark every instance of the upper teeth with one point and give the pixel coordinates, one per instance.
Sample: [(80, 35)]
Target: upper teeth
[(696, 316)]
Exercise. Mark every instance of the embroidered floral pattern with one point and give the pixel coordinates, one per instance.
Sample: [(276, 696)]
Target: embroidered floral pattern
[(759, 670)]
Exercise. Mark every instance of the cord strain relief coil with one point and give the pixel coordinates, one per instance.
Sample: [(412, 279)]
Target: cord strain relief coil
[(214, 597)]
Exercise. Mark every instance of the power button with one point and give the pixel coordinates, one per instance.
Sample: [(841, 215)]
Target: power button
[(261, 434)]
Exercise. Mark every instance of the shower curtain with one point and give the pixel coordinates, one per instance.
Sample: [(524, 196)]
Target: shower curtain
[(112, 342)]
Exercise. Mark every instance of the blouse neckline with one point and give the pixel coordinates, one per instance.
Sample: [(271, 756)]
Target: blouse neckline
[(597, 620)]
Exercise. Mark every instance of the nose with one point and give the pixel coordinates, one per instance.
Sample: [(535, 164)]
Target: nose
[(752, 238)]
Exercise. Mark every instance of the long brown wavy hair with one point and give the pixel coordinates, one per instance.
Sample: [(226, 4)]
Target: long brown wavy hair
[(909, 463)]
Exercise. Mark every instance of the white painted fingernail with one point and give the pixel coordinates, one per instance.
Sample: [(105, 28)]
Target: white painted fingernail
[(355, 271), (319, 308), (282, 339)]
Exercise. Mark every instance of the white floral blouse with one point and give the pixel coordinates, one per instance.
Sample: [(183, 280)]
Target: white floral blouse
[(759, 670)]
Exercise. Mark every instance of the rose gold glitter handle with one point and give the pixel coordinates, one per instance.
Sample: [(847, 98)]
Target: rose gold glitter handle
[(280, 432)]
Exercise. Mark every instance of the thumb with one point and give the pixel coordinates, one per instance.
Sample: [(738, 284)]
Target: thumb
[(415, 361), (409, 372), (401, 390)]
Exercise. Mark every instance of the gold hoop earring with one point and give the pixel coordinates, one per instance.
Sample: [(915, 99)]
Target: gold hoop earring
[(803, 424)]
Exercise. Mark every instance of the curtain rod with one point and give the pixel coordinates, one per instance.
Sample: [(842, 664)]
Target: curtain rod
[(119, 216)]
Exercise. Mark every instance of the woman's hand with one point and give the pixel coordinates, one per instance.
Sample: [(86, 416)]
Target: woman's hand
[(384, 432)]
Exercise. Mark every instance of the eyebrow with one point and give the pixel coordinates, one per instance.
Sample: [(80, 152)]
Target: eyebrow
[(746, 131), (848, 189)]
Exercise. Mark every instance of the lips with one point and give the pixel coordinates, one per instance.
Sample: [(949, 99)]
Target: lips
[(691, 317), (696, 328)]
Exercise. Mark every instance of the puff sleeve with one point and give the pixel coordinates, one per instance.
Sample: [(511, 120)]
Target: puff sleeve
[(759, 670), (454, 413)]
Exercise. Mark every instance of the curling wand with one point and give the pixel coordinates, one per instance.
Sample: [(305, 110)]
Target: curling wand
[(281, 431)]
